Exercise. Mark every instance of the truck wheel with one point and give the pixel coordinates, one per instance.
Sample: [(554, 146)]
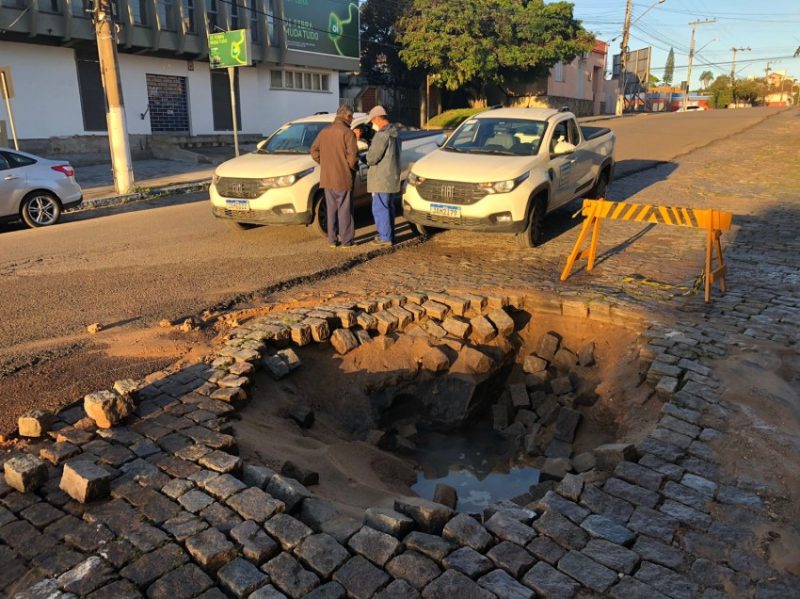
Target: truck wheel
[(237, 226), (320, 223), (533, 234), (600, 189)]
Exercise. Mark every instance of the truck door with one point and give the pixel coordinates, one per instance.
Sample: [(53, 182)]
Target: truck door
[(582, 167), (561, 167)]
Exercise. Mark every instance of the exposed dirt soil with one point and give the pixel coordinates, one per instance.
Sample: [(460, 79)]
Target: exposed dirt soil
[(355, 474), (763, 443)]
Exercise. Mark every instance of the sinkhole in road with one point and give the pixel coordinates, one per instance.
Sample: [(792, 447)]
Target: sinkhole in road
[(410, 412)]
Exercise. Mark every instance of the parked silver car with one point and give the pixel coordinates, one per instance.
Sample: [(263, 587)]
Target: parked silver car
[(35, 189)]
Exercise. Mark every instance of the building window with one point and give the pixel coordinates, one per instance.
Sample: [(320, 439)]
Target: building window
[(212, 14), (302, 80), (166, 14), (558, 72), (233, 8), (255, 19), (14, 4), (271, 32), (139, 12), (80, 8), (49, 6), (188, 16)]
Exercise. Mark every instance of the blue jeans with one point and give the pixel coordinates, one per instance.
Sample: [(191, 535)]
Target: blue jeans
[(383, 209)]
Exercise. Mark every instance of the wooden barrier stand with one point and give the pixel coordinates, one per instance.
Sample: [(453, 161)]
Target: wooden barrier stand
[(713, 221)]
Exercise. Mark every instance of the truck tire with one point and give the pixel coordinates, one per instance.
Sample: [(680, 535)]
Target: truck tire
[(533, 234), (600, 189), (320, 223)]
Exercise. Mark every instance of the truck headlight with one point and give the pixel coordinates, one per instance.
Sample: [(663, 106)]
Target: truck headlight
[(504, 186), (214, 179), (284, 180), (415, 180)]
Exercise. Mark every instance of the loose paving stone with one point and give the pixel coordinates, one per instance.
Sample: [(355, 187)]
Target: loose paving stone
[(446, 495), (630, 588), (604, 528), (387, 520), (210, 549), (322, 553), (570, 487), (546, 549), (454, 584), (511, 557), (483, 331), (507, 528), (195, 501), (472, 361), (182, 583), (414, 568), (240, 578), (287, 490), (35, 423), (255, 504), (343, 341), (599, 502), (304, 476), (564, 506), (429, 516), (632, 493), (561, 530), (85, 481), (254, 475), (468, 561), (466, 531), (148, 568), (378, 547), (587, 571), (87, 576), (433, 546), (287, 530), (503, 585), (25, 473), (609, 455), (639, 475), (360, 578), (666, 581), (550, 583), (107, 409), (611, 555)]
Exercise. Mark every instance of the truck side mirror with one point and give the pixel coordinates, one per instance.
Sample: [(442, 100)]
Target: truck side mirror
[(260, 145), (562, 148), (441, 140)]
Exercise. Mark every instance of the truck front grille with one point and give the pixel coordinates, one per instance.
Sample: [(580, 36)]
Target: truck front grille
[(450, 192), (244, 189)]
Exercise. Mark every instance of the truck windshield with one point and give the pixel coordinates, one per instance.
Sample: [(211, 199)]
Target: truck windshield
[(511, 137), (292, 139)]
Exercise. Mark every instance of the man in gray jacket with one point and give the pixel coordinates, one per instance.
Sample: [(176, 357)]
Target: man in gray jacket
[(383, 176)]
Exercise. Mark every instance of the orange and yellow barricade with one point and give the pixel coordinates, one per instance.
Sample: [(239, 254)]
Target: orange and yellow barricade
[(713, 221)]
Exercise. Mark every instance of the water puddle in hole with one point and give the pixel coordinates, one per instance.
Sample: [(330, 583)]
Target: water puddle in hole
[(479, 464)]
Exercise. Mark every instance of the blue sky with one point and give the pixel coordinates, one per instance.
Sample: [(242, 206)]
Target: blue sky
[(771, 29)]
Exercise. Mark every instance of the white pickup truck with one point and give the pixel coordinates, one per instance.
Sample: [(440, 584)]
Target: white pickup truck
[(504, 169), (278, 184)]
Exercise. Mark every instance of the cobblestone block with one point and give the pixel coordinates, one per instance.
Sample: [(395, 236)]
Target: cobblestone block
[(429, 516), (53, 563), (587, 571), (612, 507), (58, 452), (119, 589), (240, 578), (659, 553), (41, 514), (343, 341), (222, 486), (466, 531), (570, 487), (288, 531), (378, 547), (85, 481), (608, 456), (469, 562), (630, 588), (184, 525), (360, 578), (257, 546), (254, 475), (25, 473), (182, 583), (507, 528), (612, 555), (341, 528), (287, 490), (151, 566), (210, 549), (304, 476), (666, 581), (195, 501), (639, 475), (314, 512), (511, 557), (550, 583), (483, 330), (545, 549), (254, 504), (414, 568), (565, 507), (435, 547), (658, 524), (454, 584), (604, 528), (388, 521), (87, 576), (561, 530), (632, 493), (322, 553), (35, 423), (685, 495), (734, 496), (106, 408), (503, 585)]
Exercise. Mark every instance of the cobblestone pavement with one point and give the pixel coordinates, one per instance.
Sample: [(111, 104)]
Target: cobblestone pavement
[(185, 518)]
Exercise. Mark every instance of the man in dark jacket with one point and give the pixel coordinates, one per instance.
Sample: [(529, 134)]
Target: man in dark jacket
[(383, 176), (336, 152)]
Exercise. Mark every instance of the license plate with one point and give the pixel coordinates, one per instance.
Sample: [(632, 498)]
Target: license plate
[(445, 210), (237, 204)]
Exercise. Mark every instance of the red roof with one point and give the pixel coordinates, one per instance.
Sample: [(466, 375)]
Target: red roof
[(600, 47)]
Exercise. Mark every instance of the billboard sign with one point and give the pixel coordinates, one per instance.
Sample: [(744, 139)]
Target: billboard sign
[(323, 27), (229, 49), (638, 66)]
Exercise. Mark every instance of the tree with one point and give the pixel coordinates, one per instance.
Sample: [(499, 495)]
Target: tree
[(706, 77), (471, 43), (669, 68), (652, 81), (380, 59), (721, 92)]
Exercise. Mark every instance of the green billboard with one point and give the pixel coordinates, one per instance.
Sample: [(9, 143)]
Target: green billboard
[(229, 49), (323, 26)]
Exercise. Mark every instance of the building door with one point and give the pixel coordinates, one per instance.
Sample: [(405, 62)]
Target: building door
[(90, 90), (169, 108), (221, 100)]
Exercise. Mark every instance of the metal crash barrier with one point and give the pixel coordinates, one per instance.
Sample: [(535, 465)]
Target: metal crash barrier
[(713, 221)]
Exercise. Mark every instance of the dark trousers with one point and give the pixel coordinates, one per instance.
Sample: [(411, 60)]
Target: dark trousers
[(383, 212), (339, 205)]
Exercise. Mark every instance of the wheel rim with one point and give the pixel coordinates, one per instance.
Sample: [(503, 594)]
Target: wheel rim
[(42, 210)]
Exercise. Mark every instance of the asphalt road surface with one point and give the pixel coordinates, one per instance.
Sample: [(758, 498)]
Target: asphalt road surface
[(134, 267)]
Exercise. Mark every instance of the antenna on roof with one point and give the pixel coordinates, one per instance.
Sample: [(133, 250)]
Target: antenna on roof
[(564, 109)]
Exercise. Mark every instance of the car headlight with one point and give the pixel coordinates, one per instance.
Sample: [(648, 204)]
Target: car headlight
[(415, 180), (504, 186), (215, 179), (284, 180)]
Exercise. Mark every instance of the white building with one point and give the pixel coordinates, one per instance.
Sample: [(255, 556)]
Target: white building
[(168, 87)]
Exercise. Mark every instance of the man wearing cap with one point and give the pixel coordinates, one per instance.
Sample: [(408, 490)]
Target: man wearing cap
[(383, 176), (336, 151)]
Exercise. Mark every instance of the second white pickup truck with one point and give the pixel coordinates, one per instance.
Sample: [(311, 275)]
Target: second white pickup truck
[(504, 170)]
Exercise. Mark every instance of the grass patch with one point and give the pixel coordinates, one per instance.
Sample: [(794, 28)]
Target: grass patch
[(450, 119)]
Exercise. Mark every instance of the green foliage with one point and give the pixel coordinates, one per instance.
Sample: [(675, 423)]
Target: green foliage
[(652, 80), (470, 43), (450, 119), (706, 77), (669, 68), (380, 58), (721, 92)]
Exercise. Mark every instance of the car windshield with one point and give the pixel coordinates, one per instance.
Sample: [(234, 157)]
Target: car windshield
[(293, 139), (509, 137)]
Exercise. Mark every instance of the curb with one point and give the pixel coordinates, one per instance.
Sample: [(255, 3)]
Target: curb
[(141, 196)]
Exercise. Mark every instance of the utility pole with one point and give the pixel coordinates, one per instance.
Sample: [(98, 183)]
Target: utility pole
[(105, 30), (623, 57), (693, 25), (733, 71)]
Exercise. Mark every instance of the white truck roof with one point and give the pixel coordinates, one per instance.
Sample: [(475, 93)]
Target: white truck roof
[(533, 114), (325, 117)]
